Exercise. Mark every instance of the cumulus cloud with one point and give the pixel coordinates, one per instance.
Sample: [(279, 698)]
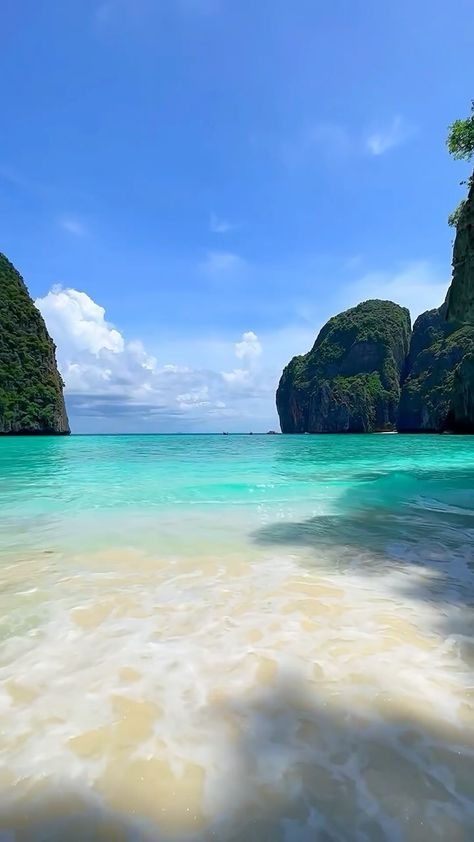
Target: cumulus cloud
[(78, 323), (396, 132), (249, 347), (204, 382), (238, 376), (247, 350), (110, 377), (197, 397)]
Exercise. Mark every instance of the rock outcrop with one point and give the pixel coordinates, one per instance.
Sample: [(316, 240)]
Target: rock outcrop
[(31, 389), (350, 380), (438, 386), (461, 292), (360, 376)]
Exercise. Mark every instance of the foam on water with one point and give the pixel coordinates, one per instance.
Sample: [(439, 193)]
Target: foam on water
[(276, 671)]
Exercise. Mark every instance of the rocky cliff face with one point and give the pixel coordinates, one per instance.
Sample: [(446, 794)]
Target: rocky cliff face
[(437, 392), (31, 389), (461, 293), (350, 380)]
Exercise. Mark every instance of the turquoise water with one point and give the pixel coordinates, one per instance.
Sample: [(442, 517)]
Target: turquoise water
[(237, 637), (65, 483)]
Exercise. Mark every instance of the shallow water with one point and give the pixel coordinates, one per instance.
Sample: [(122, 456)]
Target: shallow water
[(237, 638)]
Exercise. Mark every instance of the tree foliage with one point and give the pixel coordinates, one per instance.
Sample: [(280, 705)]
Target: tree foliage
[(460, 140), (460, 143), (455, 216)]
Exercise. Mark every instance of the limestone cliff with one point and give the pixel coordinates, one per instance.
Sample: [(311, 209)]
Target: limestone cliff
[(31, 389), (461, 292), (437, 392), (350, 380)]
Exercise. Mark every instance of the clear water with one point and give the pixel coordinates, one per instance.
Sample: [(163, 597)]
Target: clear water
[(237, 638)]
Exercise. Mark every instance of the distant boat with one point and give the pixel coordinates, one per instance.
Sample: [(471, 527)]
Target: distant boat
[(272, 433), (225, 434)]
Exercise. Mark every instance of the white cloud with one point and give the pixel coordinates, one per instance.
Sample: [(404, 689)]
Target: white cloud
[(334, 141), (396, 132), (238, 375), (118, 381), (221, 262), (417, 285), (72, 225), (219, 226), (78, 323), (198, 397), (249, 348), (114, 382)]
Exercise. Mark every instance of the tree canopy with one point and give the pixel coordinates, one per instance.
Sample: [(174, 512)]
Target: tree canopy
[(460, 140), (460, 143)]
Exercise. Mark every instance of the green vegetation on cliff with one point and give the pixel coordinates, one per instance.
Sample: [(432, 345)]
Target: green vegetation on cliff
[(31, 389), (350, 380), (433, 397), (460, 143), (460, 140), (461, 294), (360, 376), (461, 291)]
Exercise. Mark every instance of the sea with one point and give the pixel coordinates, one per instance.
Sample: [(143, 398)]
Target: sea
[(260, 638)]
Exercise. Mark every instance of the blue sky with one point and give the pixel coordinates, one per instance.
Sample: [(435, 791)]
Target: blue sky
[(209, 180)]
